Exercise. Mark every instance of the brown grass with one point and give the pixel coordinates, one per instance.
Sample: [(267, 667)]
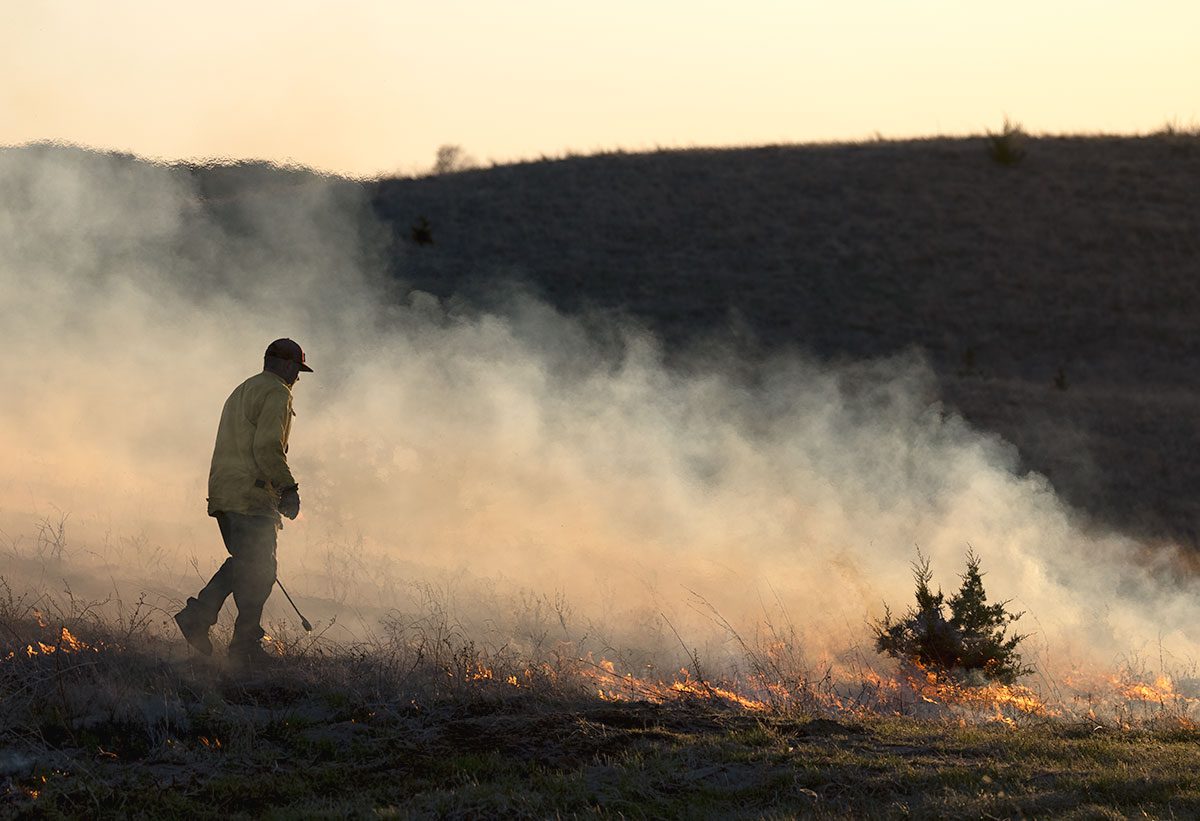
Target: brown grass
[(112, 719)]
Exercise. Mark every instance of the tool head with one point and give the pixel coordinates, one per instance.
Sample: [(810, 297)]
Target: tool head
[(307, 626)]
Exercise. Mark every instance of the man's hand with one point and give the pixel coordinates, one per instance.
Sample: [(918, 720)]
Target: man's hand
[(289, 501)]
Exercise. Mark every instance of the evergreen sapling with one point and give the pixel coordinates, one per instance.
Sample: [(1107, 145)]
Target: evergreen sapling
[(972, 640)]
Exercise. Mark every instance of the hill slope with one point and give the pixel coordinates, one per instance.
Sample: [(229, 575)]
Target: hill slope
[(1055, 298)]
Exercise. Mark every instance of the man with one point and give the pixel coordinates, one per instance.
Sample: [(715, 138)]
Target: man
[(249, 486)]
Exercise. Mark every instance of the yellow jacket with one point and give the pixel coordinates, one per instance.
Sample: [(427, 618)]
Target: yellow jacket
[(249, 463)]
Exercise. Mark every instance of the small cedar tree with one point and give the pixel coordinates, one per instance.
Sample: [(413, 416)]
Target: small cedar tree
[(973, 638)]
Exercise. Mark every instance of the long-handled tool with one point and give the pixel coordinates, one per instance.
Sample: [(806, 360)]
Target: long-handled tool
[(303, 621)]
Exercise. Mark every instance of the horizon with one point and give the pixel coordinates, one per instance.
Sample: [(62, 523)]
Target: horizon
[(376, 90), (475, 164)]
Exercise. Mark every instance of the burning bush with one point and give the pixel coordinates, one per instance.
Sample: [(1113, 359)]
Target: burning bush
[(971, 640)]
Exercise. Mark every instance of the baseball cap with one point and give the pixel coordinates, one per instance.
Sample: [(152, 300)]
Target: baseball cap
[(289, 350)]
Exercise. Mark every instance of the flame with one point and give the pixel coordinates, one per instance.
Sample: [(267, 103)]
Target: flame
[(993, 694), (871, 693), (860, 691), (1162, 690), (477, 672), (613, 686), (67, 643)]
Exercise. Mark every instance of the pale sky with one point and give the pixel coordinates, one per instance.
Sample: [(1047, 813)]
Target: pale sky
[(375, 87)]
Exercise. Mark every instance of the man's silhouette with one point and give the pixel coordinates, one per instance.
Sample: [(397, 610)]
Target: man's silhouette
[(249, 486)]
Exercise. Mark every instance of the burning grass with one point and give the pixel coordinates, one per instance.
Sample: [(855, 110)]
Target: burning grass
[(113, 719)]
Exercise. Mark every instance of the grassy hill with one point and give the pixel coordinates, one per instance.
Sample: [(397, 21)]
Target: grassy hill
[(1055, 298)]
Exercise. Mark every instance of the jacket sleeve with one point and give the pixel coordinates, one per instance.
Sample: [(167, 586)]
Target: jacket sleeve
[(270, 439)]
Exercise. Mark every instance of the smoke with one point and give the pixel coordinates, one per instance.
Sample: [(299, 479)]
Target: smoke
[(475, 451)]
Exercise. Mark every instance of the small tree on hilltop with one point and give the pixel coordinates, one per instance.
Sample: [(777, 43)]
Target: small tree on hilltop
[(452, 158), (971, 639)]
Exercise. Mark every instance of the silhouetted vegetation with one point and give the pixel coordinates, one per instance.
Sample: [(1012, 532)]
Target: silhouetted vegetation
[(1007, 147), (451, 158)]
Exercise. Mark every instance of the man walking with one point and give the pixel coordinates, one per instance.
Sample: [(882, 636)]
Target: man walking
[(249, 486)]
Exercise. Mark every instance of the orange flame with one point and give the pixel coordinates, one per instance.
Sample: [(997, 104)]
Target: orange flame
[(67, 643)]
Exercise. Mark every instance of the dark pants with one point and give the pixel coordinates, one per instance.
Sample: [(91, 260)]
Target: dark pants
[(248, 573)]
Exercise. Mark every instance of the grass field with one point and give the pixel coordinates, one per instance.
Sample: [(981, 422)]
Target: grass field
[(114, 720)]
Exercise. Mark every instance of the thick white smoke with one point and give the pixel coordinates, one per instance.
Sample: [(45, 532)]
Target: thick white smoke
[(476, 450)]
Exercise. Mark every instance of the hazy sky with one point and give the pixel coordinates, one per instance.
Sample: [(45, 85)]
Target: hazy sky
[(376, 87)]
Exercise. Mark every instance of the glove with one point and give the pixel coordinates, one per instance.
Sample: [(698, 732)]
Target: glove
[(289, 501)]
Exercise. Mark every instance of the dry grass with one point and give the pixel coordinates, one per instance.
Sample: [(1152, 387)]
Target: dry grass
[(103, 718)]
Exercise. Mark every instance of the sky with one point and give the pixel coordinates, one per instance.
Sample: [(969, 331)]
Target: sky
[(374, 88)]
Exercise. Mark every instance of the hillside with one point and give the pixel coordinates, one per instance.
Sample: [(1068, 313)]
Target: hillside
[(1055, 299)]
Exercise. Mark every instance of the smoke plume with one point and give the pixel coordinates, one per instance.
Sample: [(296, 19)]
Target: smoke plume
[(479, 452)]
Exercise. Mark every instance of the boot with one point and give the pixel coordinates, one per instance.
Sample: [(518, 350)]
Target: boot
[(194, 629), (249, 656)]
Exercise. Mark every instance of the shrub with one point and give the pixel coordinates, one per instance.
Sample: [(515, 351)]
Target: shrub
[(421, 232), (971, 640), (1008, 146)]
